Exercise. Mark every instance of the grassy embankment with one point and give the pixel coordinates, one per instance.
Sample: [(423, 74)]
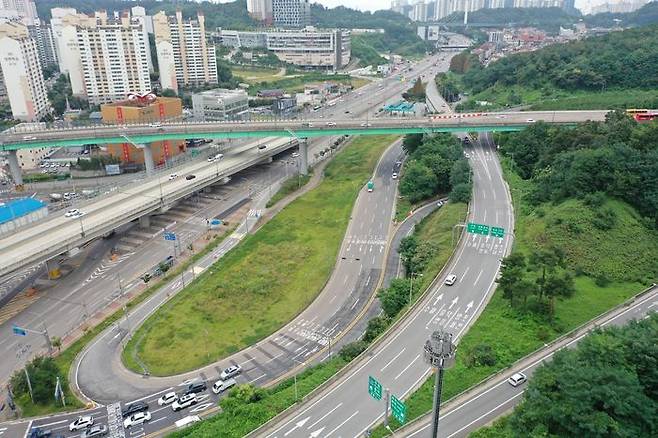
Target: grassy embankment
[(626, 254), (289, 186), (278, 271), (295, 83), (240, 416), (64, 359)]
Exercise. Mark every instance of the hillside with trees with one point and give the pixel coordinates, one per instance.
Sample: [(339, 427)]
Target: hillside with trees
[(548, 19), (605, 387), (646, 15)]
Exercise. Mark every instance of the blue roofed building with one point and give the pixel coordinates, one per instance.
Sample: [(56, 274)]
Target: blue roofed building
[(19, 212)]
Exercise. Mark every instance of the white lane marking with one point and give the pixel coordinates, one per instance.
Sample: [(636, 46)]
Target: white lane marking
[(159, 419), (248, 360), (298, 425), (257, 378), (392, 360), (275, 357), (408, 366), (341, 424), (478, 277), (485, 414), (355, 303), (466, 271), (326, 415), (484, 218), (47, 424)]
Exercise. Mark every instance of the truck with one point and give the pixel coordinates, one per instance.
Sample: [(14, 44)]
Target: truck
[(56, 196), (371, 186)]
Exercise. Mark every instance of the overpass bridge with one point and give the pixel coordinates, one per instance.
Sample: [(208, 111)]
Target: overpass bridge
[(143, 134)]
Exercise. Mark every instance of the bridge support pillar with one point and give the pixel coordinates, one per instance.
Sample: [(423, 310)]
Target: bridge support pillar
[(303, 156), (54, 269), (15, 168), (145, 221), (148, 159)]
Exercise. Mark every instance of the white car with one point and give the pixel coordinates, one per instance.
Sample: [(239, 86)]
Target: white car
[(167, 399), (74, 212), (155, 125), (331, 124), (294, 154), (173, 176), (517, 379), (365, 124), (136, 419), (184, 402), (81, 423), (451, 279), (231, 371), (395, 175), (29, 137), (530, 120)]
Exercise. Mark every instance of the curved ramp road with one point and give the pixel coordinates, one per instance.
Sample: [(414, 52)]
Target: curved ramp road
[(345, 409)]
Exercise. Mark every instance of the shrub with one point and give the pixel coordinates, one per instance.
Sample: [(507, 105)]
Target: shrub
[(376, 326), (352, 350)]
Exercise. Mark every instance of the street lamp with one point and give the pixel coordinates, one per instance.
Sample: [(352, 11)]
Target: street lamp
[(411, 283), (439, 353), (303, 364)]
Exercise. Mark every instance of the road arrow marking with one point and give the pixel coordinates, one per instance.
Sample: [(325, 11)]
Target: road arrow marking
[(298, 425), (453, 303), (317, 433), (439, 298), (468, 306)]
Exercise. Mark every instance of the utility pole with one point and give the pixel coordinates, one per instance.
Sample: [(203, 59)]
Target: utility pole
[(439, 353)]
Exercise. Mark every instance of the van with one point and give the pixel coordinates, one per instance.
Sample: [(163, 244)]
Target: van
[(223, 385), (184, 422)]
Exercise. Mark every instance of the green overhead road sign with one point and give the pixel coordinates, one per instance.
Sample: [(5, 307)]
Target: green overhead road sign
[(374, 388), (477, 228), (399, 409), (497, 231)]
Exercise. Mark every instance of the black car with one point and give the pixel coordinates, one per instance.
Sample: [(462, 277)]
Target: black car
[(262, 146), (189, 177), (38, 432), (133, 408), (196, 387)]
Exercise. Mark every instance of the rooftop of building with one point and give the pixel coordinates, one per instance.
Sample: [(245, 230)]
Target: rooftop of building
[(141, 101), (18, 207), (402, 106)]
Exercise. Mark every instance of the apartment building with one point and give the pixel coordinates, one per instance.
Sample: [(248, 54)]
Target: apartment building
[(309, 47), (42, 34), (291, 13), (184, 56), (26, 10), (260, 10), (21, 71)]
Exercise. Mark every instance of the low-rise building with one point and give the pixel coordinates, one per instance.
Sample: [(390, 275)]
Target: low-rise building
[(149, 109), (19, 212), (29, 159), (220, 104)]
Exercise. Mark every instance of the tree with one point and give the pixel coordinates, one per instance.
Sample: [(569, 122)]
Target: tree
[(57, 343), (461, 193), (411, 142), (168, 92), (376, 326), (419, 182), (394, 297), (558, 284), (512, 270), (407, 250), (545, 261)]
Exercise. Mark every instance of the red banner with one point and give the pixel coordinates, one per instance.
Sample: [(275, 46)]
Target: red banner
[(166, 148), (126, 152), (161, 107), (120, 114)]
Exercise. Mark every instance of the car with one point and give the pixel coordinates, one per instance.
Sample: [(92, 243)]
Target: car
[(517, 379), (467, 155), (218, 157), (95, 431), (155, 125), (231, 371), (439, 204), (133, 408), (331, 124), (294, 154), (37, 432), (81, 422), (395, 175), (184, 402), (189, 177), (451, 279), (501, 116), (262, 146), (347, 112), (137, 419), (307, 125), (366, 124), (29, 137), (74, 212), (173, 176), (167, 399), (196, 387), (530, 120), (223, 385)]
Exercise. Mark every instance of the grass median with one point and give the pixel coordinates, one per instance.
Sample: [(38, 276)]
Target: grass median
[(289, 186), (512, 334), (265, 281)]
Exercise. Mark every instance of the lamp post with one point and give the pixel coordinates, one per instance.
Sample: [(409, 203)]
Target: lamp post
[(411, 284), (303, 364), (439, 353)]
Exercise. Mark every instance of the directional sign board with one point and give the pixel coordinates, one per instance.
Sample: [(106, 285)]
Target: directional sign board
[(399, 409), (169, 235), (374, 388), (477, 228), (18, 330), (497, 231)]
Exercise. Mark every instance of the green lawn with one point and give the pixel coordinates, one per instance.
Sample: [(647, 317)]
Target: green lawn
[(296, 83), (278, 271), (513, 334), (289, 186), (252, 75)]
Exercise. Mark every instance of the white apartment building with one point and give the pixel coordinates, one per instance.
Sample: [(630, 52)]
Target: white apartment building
[(308, 47), (260, 10), (184, 56), (105, 57), (42, 35), (291, 13), (26, 10), (219, 104), (21, 71)]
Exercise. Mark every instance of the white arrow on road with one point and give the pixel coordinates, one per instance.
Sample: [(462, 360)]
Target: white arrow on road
[(468, 306), (439, 298), (297, 426), (453, 303), (317, 433)]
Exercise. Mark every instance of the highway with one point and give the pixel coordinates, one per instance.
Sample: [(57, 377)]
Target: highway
[(344, 408)]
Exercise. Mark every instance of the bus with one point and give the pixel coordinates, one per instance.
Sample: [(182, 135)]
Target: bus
[(636, 111), (371, 186), (646, 117)]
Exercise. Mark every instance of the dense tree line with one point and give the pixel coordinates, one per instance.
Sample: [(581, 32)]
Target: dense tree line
[(618, 157), (549, 19), (60, 91), (435, 165), (43, 373), (448, 87), (605, 387), (620, 60)]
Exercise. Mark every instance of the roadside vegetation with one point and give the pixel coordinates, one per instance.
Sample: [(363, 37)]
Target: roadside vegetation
[(585, 248), (247, 407), (614, 395), (289, 186), (279, 271)]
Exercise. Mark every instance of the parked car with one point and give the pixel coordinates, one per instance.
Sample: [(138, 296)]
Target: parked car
[(184, 402), (451, 279), (167, 399), (231, 371), (82, 422), (137, 419), (133, 408), (517, 379)]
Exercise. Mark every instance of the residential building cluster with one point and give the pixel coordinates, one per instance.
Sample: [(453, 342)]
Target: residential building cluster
[(284, 13), (619, 6), (427, 10), (307, 47)]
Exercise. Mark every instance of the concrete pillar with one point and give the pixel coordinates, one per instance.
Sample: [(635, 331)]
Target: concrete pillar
[(145, 221), (15, 168), (303, 157), (54, 269), (148, 159)]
